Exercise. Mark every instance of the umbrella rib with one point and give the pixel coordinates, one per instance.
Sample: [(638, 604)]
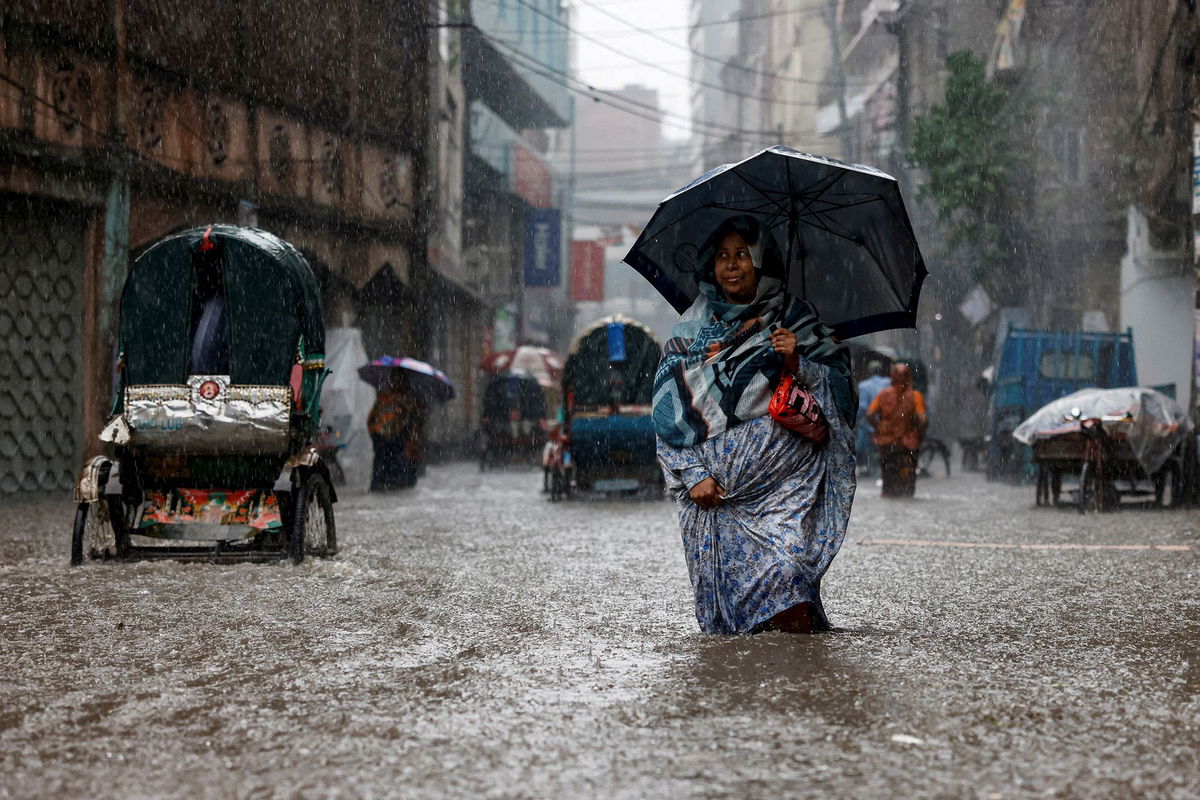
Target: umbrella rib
[(820, 187), (852, 204), (766, 194), (709, 206)]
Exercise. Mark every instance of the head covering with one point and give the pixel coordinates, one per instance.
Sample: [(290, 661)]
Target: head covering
[(718, 367)]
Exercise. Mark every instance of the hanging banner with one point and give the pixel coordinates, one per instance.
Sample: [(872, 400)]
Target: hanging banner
[(543, 234), (587, 272)]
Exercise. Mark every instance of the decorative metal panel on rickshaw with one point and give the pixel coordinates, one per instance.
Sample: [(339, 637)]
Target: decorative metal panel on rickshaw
[(208, 416)]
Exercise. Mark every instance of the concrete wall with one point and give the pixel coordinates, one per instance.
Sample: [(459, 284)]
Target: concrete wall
[(1158, 292)]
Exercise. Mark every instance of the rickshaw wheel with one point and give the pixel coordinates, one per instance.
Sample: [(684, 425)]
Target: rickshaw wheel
[(558, 485), (96, 532), (313, 531), (1166, 487)]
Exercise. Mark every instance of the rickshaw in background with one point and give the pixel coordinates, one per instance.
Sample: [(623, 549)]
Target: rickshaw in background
[(512, 421), (608, 390), (1128, 443), (1036, 367), (210, 449)]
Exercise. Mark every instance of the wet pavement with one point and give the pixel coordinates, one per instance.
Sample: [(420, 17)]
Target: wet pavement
[(472, 639)]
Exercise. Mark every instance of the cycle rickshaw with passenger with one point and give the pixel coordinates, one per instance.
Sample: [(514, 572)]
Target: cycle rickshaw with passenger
[(608, 391), (211, 445)]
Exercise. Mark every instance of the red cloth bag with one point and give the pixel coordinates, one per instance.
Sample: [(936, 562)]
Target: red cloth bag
[(795, 408)]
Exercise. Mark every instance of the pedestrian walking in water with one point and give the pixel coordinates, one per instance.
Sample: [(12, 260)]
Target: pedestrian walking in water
[(864, 432), (898, 414), (762, 510), (395, 427)]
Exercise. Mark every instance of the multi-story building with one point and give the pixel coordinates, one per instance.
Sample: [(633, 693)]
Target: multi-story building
[(517, 79), (799, 65), (714, 38), (622, 164), (623, 168)]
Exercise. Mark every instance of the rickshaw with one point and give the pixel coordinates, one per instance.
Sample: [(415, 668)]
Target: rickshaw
[(211, 445), (512, 422), (608, 389), (1127, 443), (1036, 367)]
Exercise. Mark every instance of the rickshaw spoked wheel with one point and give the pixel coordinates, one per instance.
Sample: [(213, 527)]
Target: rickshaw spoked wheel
[(89, 536), (312, 526)]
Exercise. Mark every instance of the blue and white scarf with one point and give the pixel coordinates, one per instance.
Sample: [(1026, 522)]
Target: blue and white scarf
[(719, 369)]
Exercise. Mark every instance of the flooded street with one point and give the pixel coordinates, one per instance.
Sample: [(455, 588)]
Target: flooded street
[(472, 639)]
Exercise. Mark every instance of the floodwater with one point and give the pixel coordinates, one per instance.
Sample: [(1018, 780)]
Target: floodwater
[(474, 640)]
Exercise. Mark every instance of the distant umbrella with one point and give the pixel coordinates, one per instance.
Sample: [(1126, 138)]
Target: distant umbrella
[(543, 364), (427, 381)]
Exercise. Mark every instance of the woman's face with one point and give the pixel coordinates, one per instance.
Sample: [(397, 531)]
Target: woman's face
[(734, 269)]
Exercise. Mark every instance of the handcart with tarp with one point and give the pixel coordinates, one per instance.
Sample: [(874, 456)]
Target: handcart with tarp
[(210, 448), (1121, 444), (608, 390)]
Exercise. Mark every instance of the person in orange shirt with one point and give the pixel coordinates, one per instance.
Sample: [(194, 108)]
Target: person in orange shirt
[(898, 414)]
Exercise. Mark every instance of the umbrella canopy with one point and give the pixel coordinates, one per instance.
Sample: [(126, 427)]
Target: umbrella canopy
[(1151, 422), (428, 382), (542, 363), (847, 243)]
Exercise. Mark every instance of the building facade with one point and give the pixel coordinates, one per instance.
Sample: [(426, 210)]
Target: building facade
[(122, 121), (517, 78)]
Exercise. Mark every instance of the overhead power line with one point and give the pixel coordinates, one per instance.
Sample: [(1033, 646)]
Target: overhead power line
[(688, 27), (705, 56), (651, 64), (715, 131)]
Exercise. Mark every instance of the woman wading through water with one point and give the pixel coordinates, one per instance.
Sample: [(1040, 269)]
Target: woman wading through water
[(762, 509)]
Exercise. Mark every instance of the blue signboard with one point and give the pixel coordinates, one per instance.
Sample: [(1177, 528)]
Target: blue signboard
[(543, 232)]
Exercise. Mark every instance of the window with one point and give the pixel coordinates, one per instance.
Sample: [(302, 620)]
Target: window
[(1067, 365)]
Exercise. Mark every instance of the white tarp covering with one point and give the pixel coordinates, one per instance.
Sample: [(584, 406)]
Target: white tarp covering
[(346, 401), (1155, 426)]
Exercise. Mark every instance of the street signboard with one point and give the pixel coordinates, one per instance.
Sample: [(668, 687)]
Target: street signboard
[(543, 232)]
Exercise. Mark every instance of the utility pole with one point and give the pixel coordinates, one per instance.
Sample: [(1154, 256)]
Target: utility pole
[(839, 77), (569, 245), (115, 237)]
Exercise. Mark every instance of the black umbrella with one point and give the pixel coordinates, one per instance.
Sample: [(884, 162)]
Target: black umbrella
[(849, 245)]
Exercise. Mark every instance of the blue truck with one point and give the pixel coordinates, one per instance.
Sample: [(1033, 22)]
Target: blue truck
[(1035, 367)]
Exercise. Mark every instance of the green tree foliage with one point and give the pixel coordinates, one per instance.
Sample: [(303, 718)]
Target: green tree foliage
[(965, 145)]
